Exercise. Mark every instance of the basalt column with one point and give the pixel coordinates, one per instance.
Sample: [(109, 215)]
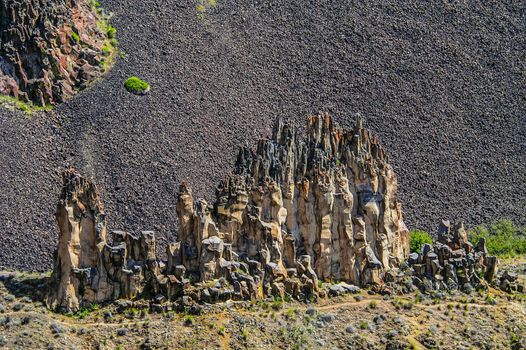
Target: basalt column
[(331, 196)]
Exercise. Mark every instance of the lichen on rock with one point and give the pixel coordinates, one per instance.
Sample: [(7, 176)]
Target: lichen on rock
[(50, 49)]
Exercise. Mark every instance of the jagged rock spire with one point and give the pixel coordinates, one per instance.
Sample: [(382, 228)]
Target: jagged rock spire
[(295, 211), (333, 195)]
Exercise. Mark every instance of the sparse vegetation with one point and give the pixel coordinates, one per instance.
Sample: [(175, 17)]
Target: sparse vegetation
[(189, 320), (503, 238), (111, 32), (277, 303), (244, 334), (417, 239), (27, 107), (109, 48), (75, 37), (85, 311)]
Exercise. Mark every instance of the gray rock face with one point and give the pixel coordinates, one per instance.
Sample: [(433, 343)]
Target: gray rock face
[(296, 211), (331, 197), (451, 263), (48, 49)]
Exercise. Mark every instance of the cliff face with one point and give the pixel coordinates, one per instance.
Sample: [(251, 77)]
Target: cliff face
[(330, 196), (49, 49), (82, 230), (295, 211)]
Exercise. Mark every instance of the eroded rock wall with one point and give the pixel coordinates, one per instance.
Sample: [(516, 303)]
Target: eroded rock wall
[(294, 212), (331, 196), (88, 269), (49, 49)]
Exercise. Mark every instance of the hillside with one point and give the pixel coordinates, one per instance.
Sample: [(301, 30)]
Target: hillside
[(442, 85)]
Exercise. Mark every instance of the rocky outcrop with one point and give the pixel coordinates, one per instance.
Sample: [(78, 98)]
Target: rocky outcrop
[(87, 268), (328, 199), (49, 49), (295, 212), (451, 263)]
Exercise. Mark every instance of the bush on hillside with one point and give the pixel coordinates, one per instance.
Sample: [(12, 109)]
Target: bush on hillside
[(136, 85), (503, 238), (417, 239)]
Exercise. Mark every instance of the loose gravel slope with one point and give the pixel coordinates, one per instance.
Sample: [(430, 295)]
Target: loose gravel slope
[(442, 83)]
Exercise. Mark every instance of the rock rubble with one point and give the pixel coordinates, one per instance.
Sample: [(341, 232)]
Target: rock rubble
[(451, 263)]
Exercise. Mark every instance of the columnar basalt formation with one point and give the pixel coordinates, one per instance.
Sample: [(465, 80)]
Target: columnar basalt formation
[(295, 211), (88, 269), (330, 197), (49, 49), (451, 263)]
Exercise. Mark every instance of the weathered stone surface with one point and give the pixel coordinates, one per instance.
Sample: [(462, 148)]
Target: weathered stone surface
[(331, 196), (82, 233), (87, 269), (295, 211), (49, 49), (451, 263)]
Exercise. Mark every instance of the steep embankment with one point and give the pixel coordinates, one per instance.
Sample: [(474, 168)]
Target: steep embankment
[(442, 84)]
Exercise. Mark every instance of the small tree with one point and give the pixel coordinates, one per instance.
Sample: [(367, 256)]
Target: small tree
[(417, 239)]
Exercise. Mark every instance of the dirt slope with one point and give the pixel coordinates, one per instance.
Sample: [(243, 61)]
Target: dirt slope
[(443, 84)]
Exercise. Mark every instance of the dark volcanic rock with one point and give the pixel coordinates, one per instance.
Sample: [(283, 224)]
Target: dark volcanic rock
[(441, 83), (49, 48)]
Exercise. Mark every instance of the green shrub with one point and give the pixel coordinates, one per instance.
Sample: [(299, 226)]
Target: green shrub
[(503, 238), (136, 85), (85, 311), (277, 303), (111, 32), (189, 320), (417, 239), (245, 334)]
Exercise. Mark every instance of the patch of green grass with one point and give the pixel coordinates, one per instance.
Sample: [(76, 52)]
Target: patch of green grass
[(189, 320), (245, 334), (75, 37), (109, 47), (136, 85), (85, 311), (417, 239), (277, 303), (27, 107), (373, 304), (203, 6), (111, 32), (290, 314), (503, 238)]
